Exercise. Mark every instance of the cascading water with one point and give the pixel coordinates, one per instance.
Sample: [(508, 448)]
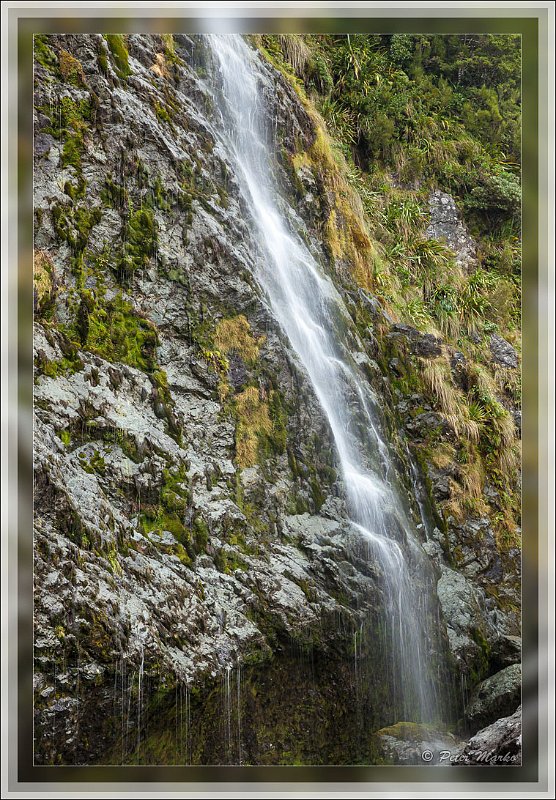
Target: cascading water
[(312, 314)]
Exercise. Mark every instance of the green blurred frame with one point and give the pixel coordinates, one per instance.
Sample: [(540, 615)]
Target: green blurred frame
[(23, 24)]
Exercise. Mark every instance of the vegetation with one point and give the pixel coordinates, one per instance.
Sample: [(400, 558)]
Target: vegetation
[(400, 116), (120, 56), (71, 69), (253, 422), (233, 335), (140, 240)]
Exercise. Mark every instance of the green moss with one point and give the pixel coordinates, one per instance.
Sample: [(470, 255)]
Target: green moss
[(228, 561), (140, 242), (65, 436), (158, 195), (409, 731), (70, 121), (119, 333), (156, 518), (43, 53), (73, 224), (120, 56), (170, 49), (173, 495), (201, 534), (71, 69), (162, 113), (113, 194), (53, 368), (481, 668), (102, 60), (95, 464)]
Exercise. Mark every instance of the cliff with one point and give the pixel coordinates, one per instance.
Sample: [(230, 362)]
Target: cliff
[(200, 593)]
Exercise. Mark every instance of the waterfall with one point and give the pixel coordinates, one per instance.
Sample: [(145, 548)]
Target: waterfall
[(313, 317)]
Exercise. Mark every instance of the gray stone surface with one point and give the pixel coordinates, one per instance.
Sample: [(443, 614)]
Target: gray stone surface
[(498, 744), (502, 352), (446, 225), (497, 696)]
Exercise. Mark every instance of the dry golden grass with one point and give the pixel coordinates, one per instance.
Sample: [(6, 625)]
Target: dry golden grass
[(70, 67), (295, 52), (233, 335), (42, 274), (438, 384), (435, 373), (508, 381), (443, 455), (346, 229), (253, 419), (472, 478), (160, 66)]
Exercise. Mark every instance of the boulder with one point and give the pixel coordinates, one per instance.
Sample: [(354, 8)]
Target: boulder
[(410, 743), (502, 352), (420, 344), (499, 743), (495, 697), (446, 225)]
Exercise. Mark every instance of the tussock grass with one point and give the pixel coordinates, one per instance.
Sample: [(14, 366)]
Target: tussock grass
[(295, 51), (42, 274), (233, 335), (438, 384), (253, 420)]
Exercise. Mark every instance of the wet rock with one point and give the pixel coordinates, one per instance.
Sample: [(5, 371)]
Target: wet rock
[(458, 363), (469, 625), (237, 372), (503, 353), (420, 344), (442, 481), (408, 743), (375, 307), (499, 743), (43, 143), (506, 650), (495, 697), (426, 425)]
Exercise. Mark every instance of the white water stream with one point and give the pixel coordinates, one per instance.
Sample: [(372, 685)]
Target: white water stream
[(311, 313)]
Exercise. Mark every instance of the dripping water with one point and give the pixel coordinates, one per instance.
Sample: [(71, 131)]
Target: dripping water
[(313, 316)]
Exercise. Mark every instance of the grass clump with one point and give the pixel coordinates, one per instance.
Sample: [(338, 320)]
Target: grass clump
[(233, 335), (253, 421), (71, 69)]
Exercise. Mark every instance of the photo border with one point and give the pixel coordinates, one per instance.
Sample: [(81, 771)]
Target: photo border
[(22, 23)]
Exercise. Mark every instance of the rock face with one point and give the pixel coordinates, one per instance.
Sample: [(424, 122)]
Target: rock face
[(446, 225), (498, 744), (498, 695), (195, 569), (502, 352)]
